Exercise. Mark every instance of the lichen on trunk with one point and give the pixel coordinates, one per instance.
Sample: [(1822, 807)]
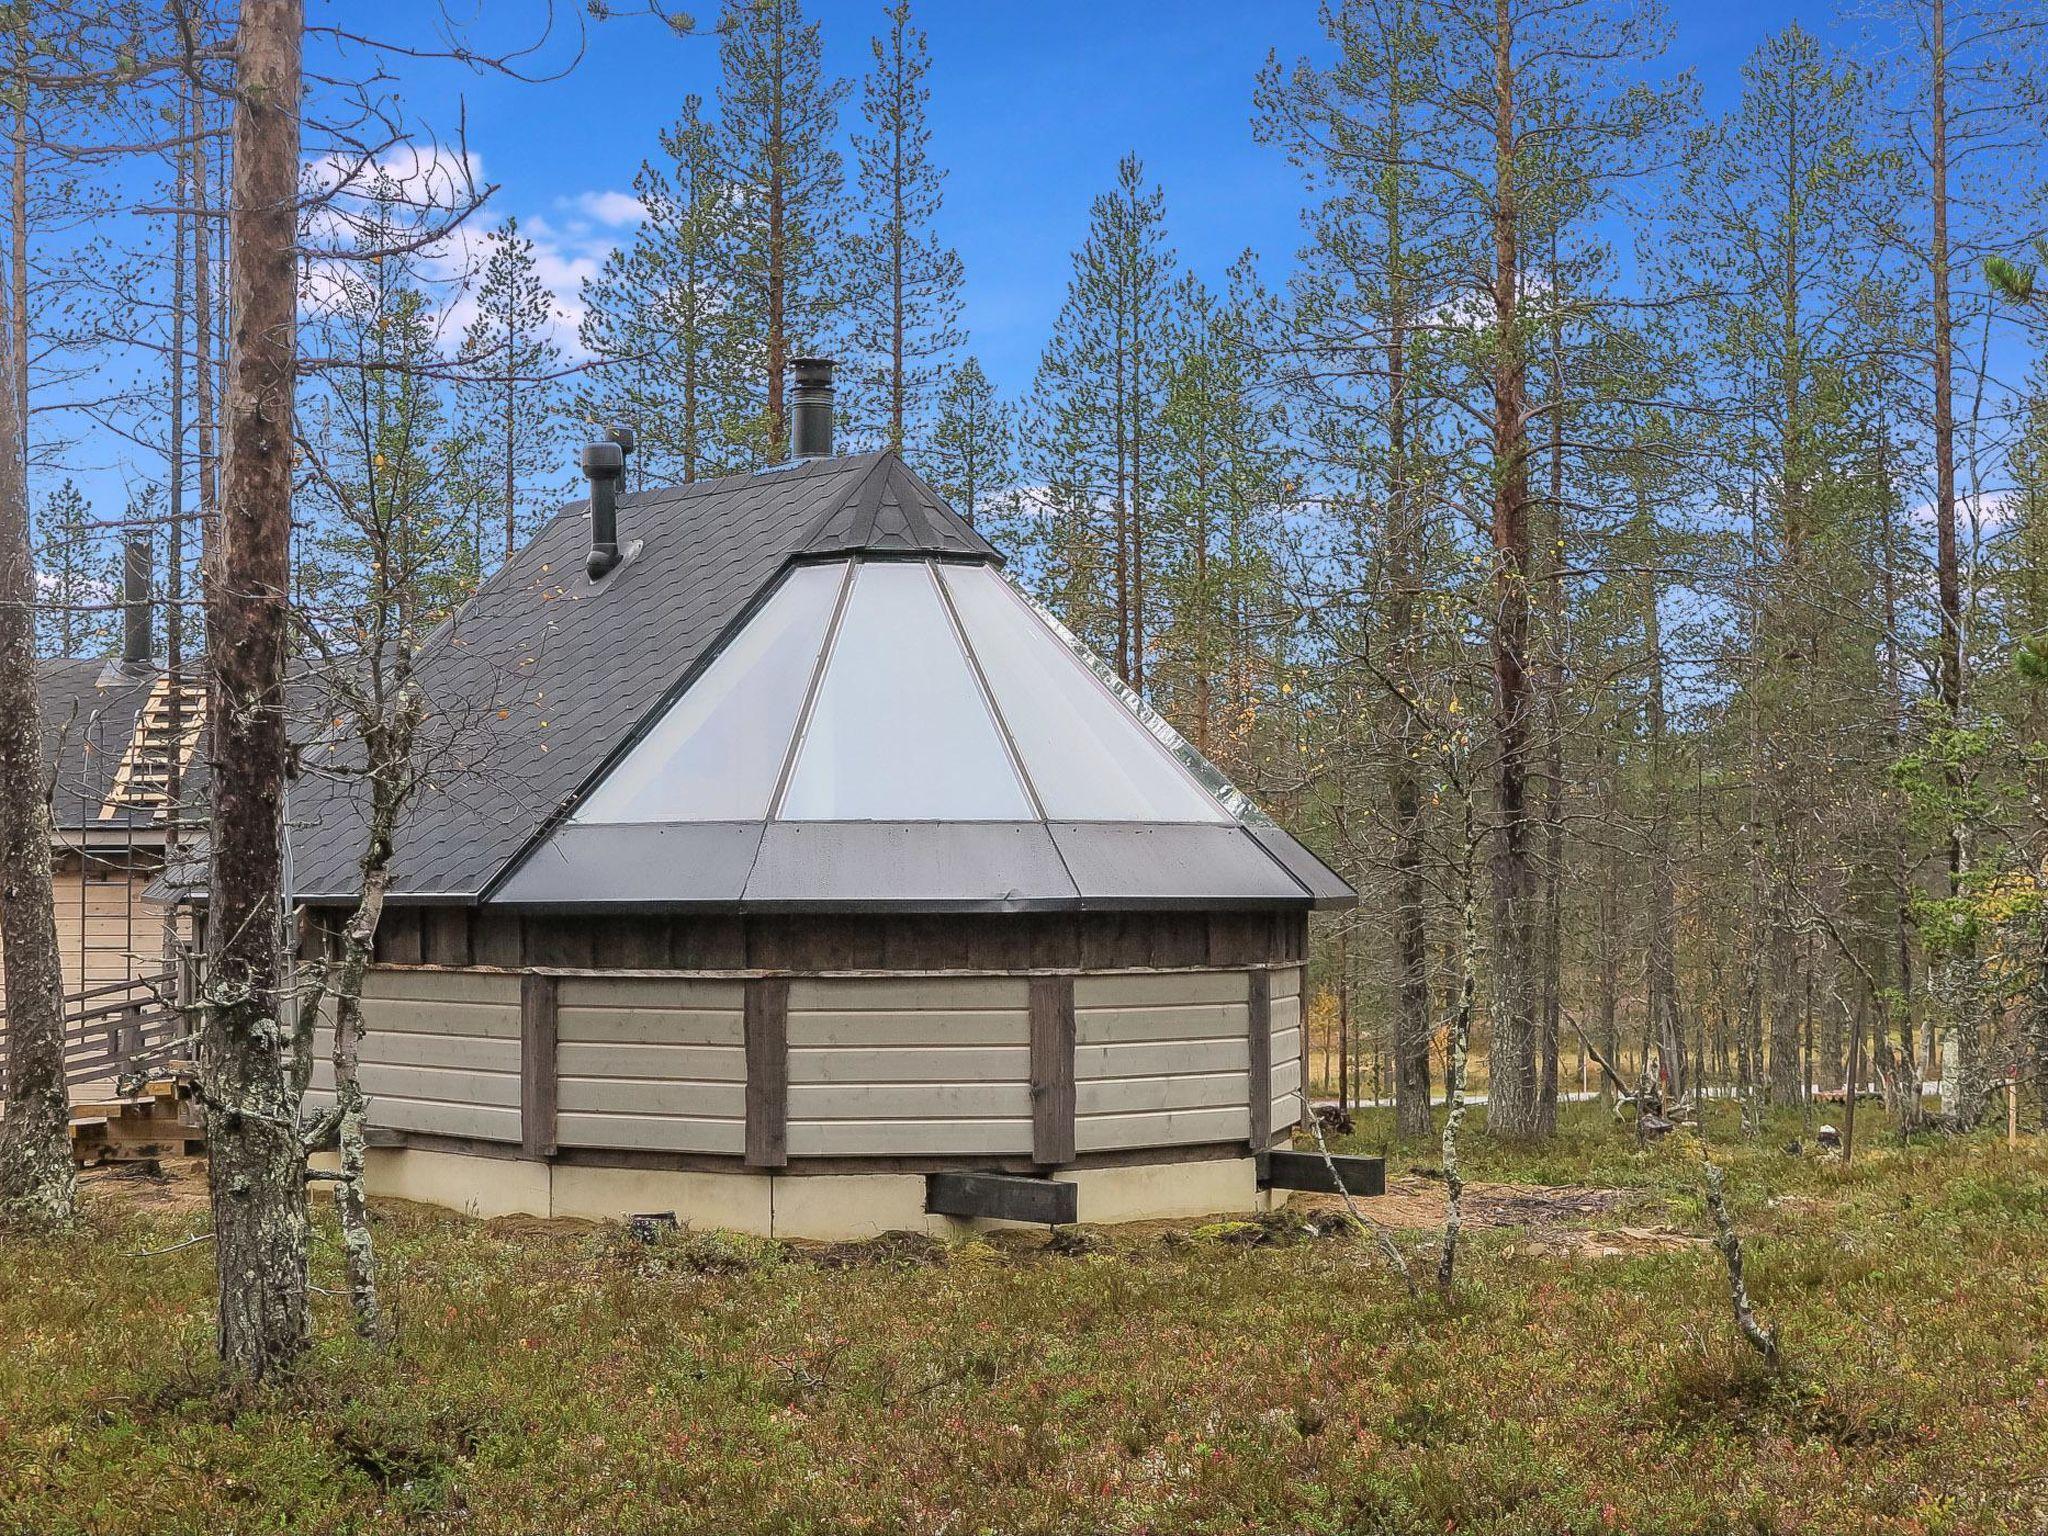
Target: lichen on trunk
[(248, 1078)]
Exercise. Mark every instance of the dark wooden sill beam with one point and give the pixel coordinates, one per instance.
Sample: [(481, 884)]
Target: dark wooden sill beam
[(1001, 1197), (1308, 1172)]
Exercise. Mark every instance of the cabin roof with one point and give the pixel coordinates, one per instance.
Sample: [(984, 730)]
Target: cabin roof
[(105, 745), (545, 682)]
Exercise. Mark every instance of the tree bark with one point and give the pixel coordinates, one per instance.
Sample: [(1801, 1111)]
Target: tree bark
[(37, 1184), (247, 1050), (1513, 1107)]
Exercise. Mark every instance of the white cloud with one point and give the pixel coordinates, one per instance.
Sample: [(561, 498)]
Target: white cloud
[(614, 209)]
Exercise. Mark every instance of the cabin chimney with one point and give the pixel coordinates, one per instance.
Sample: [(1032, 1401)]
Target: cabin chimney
[(136, 629), (810, 412), (604, 464)]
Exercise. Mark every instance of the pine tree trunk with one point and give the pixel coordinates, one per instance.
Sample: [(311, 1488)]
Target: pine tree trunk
[(37, 1184), (247, 1056), (1661, 962), (1512, 1106)]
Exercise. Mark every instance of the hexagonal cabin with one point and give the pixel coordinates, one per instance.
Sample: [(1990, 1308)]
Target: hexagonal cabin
[(782, 854)]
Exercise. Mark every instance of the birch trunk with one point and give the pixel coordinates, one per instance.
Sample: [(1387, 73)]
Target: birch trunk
[(246, 1059)]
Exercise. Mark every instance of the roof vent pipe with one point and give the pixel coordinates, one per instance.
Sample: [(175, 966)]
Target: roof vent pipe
[(604, 465), (136, 628), (810, 415)]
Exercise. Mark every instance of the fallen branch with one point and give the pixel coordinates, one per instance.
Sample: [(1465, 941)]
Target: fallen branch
[(157, 1253), (1368, 1227)]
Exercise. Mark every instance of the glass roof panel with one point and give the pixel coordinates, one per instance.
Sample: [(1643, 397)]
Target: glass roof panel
[(1089, 758), (717, 753), (900, 730)]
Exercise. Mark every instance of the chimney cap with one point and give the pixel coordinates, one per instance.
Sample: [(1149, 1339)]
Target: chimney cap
[(605, 460)]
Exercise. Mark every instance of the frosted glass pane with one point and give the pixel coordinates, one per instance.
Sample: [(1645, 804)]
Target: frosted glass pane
[(900, 731), (716, 755), (1088, 757)]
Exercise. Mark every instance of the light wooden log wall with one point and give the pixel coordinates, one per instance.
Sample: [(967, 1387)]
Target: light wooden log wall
[(921, 1065), (440, 1054), (1287, 1047), (1049, 1067), (1161, 1060), (650, 1063)]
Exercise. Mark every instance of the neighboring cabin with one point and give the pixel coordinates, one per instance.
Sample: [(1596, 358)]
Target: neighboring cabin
[(110, 729), (779, 853)]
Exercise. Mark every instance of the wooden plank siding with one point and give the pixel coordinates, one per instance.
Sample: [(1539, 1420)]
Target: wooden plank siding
[(769, 1069), (960, 942), (1161, 1060), (653, 1064), (1287, 1047), (921, 1065), (441, 1053)]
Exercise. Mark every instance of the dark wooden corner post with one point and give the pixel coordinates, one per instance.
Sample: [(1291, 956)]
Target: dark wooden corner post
[(539, 1077), (1052, 1070), (1261, 1010), (767, 1041)]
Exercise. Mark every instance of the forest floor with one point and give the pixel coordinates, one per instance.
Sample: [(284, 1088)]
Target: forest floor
[(1228, 1376)]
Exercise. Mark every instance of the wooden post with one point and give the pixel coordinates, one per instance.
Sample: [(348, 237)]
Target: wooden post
[(538, 1079), (1052, 1070), (767, 1042), (1262, 1061)]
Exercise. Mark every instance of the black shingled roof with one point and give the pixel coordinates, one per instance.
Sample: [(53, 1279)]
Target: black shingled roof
[(544, 678), (89, 707)]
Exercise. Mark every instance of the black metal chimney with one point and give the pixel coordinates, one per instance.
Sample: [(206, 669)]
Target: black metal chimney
[(810, 410), (136, 629), (604, 463)]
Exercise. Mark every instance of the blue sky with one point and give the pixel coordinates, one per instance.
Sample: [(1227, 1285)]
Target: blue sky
[(1032, 104)]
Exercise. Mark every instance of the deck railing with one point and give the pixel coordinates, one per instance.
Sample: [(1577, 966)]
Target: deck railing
[(118, 1027)]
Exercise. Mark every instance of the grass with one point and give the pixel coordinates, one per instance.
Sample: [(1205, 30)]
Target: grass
[(557, 1378)]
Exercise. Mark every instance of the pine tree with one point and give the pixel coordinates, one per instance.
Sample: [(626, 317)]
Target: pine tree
[(76, 577), (1095, 429), (778, 122), (512, 396), (1767, 223), (670, 350), (904, 283), (1224, 476), (971, 457), (377, 430)]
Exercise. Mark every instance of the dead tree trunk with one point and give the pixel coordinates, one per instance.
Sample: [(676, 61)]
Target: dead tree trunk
[(37, 1185), (246, 1055)]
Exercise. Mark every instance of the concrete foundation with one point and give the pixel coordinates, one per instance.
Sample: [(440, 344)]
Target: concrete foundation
[(830, 1207)]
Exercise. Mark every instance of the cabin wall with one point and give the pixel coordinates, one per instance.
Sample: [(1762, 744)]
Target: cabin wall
[(440, 1053), (106, 932), (921, 1065), (1288, 1037), (892, 1071), (657, 1064), (1161, 1060)]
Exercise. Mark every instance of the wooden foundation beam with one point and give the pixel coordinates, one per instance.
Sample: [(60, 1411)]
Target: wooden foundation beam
[(1308, 1172), (1001, 1197)]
